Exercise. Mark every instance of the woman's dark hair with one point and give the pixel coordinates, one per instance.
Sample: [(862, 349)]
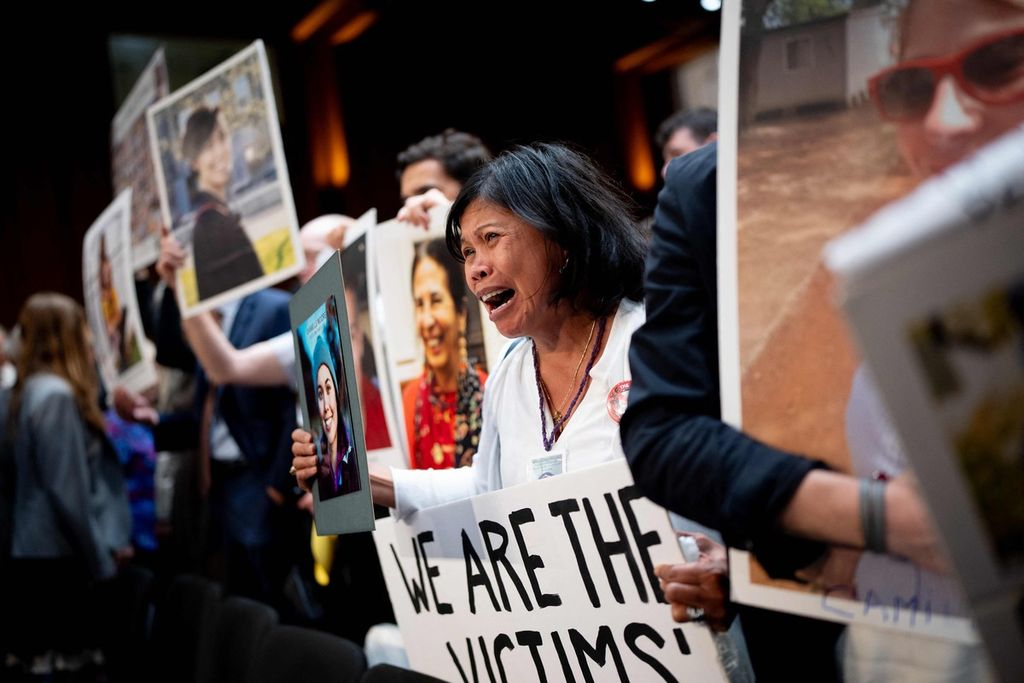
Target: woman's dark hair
[(572, 202), (200, 126), (437, 250)]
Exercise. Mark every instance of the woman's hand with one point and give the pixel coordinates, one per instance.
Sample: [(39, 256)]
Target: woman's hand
[(335, 237), (133, 407), (417, 208), (303, 458), (701, 585), (834, 572), (172, 257), (908, 527), (325, 232)]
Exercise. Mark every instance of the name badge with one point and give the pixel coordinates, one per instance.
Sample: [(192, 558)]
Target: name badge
[(548, 464)]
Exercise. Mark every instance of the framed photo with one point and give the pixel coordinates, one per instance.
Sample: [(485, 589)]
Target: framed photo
[(329, 396), (223, 183)]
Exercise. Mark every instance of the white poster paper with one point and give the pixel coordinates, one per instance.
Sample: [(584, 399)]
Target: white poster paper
[(551, 580)]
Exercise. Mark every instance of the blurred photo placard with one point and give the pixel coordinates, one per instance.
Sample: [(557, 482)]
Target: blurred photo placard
[(110, 305), (329, 395), (934, 290), (523, 585), (132, 159), (223, 183)]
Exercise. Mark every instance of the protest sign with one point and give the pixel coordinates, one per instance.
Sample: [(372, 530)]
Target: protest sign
[(551, 580)]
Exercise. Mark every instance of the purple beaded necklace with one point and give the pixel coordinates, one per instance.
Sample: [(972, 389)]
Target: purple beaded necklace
[(556, 426)]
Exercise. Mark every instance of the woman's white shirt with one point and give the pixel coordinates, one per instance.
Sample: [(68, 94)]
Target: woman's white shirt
[(510, 436)]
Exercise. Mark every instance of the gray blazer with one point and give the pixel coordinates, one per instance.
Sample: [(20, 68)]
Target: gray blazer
[(69, 497)]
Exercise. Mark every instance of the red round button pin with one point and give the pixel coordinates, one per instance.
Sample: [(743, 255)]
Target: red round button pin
[(617, 399)]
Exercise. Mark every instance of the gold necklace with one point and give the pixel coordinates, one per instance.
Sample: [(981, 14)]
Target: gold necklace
[(556, 413)]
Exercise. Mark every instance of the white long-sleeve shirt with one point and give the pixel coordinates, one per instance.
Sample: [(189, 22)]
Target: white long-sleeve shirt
[(511, 432)]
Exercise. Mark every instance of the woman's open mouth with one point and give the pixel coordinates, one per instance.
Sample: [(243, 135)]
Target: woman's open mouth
[(497, 300)]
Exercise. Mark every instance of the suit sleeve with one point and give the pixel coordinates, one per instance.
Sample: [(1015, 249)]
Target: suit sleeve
[(279, 322), (172, 350), (176, 431), (681, 454)]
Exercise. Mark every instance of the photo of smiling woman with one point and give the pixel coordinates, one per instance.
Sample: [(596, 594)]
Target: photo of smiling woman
[(338, 468), (442, 405)]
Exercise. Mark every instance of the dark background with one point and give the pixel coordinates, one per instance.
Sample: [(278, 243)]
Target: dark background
[(507, 71)]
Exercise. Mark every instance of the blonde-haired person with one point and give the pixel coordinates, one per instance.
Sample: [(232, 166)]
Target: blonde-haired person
[(70, 521)]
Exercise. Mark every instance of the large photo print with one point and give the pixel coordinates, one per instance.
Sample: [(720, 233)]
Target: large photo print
[(223, 183), (843, 107)]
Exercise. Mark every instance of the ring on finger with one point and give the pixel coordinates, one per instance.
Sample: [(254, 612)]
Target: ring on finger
[(695, 613)]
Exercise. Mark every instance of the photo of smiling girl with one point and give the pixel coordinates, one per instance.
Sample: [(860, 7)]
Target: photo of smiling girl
[(324, 384)]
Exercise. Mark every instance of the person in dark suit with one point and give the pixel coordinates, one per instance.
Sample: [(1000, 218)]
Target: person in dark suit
[(243, 436)]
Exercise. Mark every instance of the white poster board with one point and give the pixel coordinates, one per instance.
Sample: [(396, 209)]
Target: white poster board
[(132, 160), (380, 426), (934, 289), (108, 285), (551, 580), (223, 183)]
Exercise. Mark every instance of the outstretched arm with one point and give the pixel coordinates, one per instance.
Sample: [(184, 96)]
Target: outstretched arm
[(257, 365)]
